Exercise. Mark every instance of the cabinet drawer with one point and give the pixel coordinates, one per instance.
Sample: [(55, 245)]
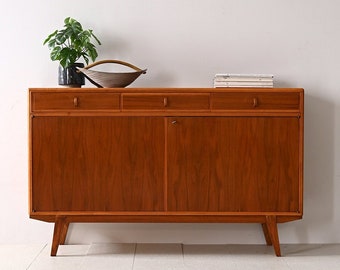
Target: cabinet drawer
[(255, 100), (74, 101), (166, 101)]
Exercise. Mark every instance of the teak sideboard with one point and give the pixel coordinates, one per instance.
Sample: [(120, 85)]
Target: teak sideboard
[(166, 155)]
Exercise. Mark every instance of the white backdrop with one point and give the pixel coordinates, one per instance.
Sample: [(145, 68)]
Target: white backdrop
[(182, 43)]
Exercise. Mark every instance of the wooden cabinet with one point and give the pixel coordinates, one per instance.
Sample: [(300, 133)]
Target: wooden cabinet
[(166, 155)]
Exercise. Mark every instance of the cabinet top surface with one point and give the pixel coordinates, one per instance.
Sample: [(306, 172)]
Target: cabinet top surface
[(168, 90)]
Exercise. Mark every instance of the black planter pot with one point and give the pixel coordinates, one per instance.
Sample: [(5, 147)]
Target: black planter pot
[(70, 77)]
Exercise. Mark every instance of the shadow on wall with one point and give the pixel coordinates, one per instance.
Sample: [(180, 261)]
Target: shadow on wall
[(319, 154), (318, 166)]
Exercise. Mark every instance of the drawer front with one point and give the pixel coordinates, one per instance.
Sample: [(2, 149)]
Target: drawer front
[(255, 101), (166, 101), (74, 101)]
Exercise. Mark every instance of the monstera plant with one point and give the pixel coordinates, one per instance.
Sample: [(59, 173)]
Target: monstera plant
[(67, 46)]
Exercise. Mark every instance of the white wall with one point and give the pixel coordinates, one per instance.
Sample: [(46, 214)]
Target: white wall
[(183, 43)]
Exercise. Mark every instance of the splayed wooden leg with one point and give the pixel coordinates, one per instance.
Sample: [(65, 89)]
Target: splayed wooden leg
[(63, 233), (272, 234), (59, 234), (266, 234)]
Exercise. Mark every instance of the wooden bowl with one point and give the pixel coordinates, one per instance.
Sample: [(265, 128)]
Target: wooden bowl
[(111, 79)]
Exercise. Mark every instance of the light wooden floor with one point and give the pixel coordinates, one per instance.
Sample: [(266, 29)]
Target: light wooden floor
[(170, 256)]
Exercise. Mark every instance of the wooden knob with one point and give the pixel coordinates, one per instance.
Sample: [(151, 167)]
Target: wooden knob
[(255, 102), (75, 102)]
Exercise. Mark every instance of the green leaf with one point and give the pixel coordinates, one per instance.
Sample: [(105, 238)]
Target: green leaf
[(51, 44), (86, 59), (96, 39), (50, 36), (61, 38), (55, 53)]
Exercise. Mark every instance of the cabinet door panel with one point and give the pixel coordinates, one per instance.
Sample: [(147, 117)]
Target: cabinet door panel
[(237, 164), (98, 164)]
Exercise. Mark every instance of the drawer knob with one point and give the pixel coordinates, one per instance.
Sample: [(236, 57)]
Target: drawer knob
[(255, 102), (75, 102), (165, 101)]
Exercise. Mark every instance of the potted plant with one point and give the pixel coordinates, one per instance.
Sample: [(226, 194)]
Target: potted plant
[(67, 46)]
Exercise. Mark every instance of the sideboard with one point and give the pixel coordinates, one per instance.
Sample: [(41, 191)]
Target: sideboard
[(166, 155)]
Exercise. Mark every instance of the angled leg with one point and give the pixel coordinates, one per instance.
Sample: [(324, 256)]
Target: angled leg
[(59, 234), (266, 234), (272, 233), (63, 233)]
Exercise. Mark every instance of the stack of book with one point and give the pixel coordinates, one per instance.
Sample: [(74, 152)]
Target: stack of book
[(243, 80)]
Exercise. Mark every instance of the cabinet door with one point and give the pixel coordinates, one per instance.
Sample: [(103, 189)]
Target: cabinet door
[(237, 164), (97, 163)]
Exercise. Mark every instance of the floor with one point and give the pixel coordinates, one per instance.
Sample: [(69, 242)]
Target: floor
[(170, 256)]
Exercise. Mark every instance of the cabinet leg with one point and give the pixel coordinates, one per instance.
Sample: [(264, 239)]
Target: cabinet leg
[(63, 233), (266, 234), (59, 234), (271, 232)]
